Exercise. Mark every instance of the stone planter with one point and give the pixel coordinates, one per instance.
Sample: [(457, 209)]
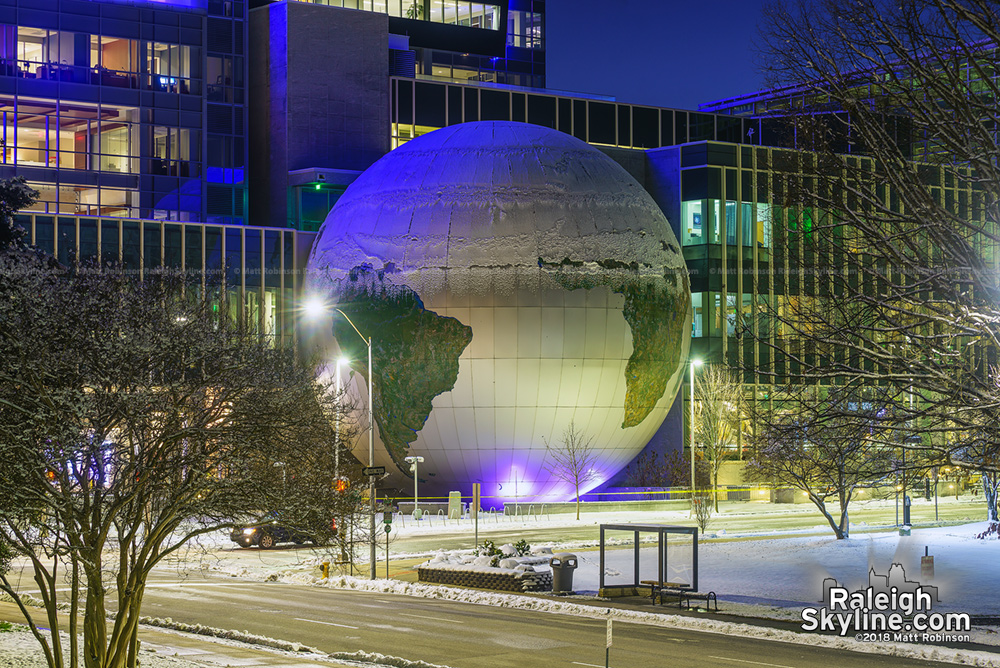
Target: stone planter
[(498, 581)]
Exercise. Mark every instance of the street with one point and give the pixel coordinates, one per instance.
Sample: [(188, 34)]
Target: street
[(467, 635), (462, 635)]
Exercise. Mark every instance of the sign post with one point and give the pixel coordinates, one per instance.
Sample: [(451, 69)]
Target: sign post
[(476, 492), (387, 520), (607, 649)]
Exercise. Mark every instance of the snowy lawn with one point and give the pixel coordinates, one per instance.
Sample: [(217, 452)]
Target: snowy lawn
[(762, 576), (789, 572)]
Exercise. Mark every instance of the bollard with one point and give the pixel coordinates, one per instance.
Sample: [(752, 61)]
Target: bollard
[(926, 565)]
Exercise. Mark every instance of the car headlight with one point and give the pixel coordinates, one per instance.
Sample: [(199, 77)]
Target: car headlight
[(248, 531)]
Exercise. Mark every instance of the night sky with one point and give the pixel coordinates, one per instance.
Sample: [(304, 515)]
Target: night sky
[(668, 53)]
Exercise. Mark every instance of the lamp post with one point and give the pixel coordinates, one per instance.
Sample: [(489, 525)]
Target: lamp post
[(694, 362), (313, 307), (413, 461), (371, 441), (336, 449)]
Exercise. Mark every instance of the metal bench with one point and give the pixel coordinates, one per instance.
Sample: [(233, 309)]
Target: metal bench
[(682, 592)]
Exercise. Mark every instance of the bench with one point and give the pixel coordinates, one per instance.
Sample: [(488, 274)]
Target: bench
[(671, 588), (682, 592)]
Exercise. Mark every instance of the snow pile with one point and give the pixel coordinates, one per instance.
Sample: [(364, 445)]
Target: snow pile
[(660, 619), (381, 660), (567, 607), (31, 602), (229, 634), (19, 649), (507, 561)]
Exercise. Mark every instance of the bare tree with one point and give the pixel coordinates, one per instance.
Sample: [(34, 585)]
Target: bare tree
[(718, 400), (702, 505), (572, 460), (824, 442), (892, 218), (132, 420)]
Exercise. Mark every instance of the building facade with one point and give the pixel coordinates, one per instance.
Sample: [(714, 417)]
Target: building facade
[(216, 136), (253, 274), (126, 109)]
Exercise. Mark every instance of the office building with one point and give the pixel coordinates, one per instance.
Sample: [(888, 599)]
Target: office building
[(126, 109), (216, 135)]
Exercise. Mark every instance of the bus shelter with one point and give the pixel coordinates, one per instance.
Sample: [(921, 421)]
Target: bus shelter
[(662, 532)]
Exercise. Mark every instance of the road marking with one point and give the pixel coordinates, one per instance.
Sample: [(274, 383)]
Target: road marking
[(593, 665), (440, 619), (756, 663), (157, 585), (316, 621)]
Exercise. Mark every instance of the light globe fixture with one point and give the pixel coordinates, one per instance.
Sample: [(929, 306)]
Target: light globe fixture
[(413, 462)]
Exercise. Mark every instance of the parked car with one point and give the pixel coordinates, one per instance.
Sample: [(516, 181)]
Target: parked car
[(268, 534)]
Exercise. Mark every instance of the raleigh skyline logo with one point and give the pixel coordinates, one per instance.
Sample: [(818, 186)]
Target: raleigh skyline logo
[(891, 608)]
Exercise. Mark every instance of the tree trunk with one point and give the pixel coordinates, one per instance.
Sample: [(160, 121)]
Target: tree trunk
[(838, 531), (95, 629), (578, 500), (124, 643), (845, 519), (715, 484), (991, 482), (74, 607), (47, 590)]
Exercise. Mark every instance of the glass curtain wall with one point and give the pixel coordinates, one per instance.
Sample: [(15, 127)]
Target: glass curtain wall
[(86, 143), (37, 53), (453, 12), (258, 286)]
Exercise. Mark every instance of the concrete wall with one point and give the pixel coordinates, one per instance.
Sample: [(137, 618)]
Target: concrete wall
[(632, 160), (663, 179), (321, 76), (731, 473)]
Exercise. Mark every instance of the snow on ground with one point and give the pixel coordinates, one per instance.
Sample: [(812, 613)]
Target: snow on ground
[(570, 607), (756, 574), (789, 572), (761, 571), (20, 649), (774, 570)]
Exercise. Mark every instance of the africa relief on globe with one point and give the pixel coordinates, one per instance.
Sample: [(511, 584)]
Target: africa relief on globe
[(513, 280)]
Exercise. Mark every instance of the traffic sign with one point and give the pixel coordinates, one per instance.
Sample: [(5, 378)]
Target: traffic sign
[(387, 516), (373, 471), (388, 528)]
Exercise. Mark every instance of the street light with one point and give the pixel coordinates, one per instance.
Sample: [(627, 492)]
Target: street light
[(413, 461), (371, 439), (336, 450), (314, 307), (694, 362)]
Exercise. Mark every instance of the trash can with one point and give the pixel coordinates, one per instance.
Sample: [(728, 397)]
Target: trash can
[(563, 564)]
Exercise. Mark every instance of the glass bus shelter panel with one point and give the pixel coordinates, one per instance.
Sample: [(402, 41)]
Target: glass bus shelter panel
[(660, 553)]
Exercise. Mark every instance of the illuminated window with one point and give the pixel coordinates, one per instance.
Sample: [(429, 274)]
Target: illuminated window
[(693, 223), (524, 29)]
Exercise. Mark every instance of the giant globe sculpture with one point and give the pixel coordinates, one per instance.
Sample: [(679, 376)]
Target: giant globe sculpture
[(515, 281)]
